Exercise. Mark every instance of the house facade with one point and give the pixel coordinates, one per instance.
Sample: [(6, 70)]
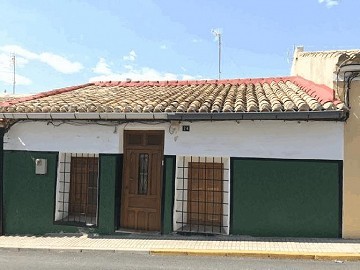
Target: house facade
[(259, 157)]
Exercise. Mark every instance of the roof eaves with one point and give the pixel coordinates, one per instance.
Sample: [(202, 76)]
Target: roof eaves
[(84, 116), (337, 115), (309, 115)]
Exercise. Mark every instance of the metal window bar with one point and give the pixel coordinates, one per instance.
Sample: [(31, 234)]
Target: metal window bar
[(143, 174), (202, 184), (78, 189), (183, 194)]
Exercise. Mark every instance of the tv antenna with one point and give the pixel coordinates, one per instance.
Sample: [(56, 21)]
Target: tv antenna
[(217, 34), (290, 55), (13, 60)]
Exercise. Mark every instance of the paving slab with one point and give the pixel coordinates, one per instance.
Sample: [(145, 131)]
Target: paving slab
[(294, 248)]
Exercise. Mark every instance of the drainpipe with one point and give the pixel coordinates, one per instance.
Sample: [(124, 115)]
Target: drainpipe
[(348, 72)]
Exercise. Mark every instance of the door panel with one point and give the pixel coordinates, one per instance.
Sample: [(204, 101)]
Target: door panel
[(141, 192), (205, 193)]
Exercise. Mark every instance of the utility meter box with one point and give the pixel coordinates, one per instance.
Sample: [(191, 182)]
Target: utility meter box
[(40, 166)]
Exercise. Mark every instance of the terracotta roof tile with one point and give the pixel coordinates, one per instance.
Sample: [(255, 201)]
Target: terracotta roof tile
[(214, 96)]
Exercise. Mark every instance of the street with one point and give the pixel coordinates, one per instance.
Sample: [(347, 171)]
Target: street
[(37, 259)]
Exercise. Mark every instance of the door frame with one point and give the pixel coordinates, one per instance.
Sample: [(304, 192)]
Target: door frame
[(143, 145)]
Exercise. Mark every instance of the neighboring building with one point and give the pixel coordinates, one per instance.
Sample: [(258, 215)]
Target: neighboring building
[(260, 157), (340, 70)]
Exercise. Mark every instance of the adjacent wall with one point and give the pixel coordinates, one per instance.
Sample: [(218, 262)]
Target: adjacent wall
[(351, 216), (315, 67)]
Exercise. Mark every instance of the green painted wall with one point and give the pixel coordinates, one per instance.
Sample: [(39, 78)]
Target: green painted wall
[(108, 176), (296, 198), (29, 199), (168, 193)]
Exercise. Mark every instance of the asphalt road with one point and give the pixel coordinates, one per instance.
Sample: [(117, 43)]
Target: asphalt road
[(54, 260)]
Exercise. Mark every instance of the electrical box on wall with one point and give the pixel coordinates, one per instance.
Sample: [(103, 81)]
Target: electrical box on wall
[(40, 166)]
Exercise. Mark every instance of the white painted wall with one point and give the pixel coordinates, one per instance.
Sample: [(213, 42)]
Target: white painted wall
[(67, 138), (262, 139)]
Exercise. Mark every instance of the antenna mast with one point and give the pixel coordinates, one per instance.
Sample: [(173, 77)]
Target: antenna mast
[(14, 64), (217, 34)]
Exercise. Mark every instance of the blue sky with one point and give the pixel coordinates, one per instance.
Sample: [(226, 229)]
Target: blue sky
[(69, 42)]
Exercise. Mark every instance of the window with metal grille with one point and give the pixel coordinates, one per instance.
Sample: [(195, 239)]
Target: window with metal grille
[(202, 195), (77, 189)]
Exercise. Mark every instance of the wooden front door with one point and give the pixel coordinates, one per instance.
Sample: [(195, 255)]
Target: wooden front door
[(205, 193), (142, 180)]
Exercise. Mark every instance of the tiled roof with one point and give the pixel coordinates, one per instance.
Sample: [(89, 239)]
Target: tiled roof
[(285, 94)]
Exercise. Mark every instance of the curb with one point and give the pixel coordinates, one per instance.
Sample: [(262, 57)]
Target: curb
[(331, 256), (324, 256), (73, 249)]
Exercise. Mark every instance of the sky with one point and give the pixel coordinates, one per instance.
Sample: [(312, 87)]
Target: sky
[(70, 42)]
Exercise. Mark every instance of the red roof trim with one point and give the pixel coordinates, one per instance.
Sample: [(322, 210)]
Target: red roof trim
[(192, 82), (322, 92), (44, 94)]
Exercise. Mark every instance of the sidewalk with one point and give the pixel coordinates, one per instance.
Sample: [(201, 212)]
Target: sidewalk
[(292, 248)]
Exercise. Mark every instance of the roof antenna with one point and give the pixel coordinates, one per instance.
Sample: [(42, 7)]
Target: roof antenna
[(290, 55), (14, 64), (217, 34)]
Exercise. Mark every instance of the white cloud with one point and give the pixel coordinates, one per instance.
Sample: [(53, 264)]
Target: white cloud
[(57, 62), (21, 62), (131, 56), (60, 63), (130, 67), (163, 47), (19, 79), (143, 74), (5, 61), (329, 3), (102, 67), (7, 73), (19, 51)]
